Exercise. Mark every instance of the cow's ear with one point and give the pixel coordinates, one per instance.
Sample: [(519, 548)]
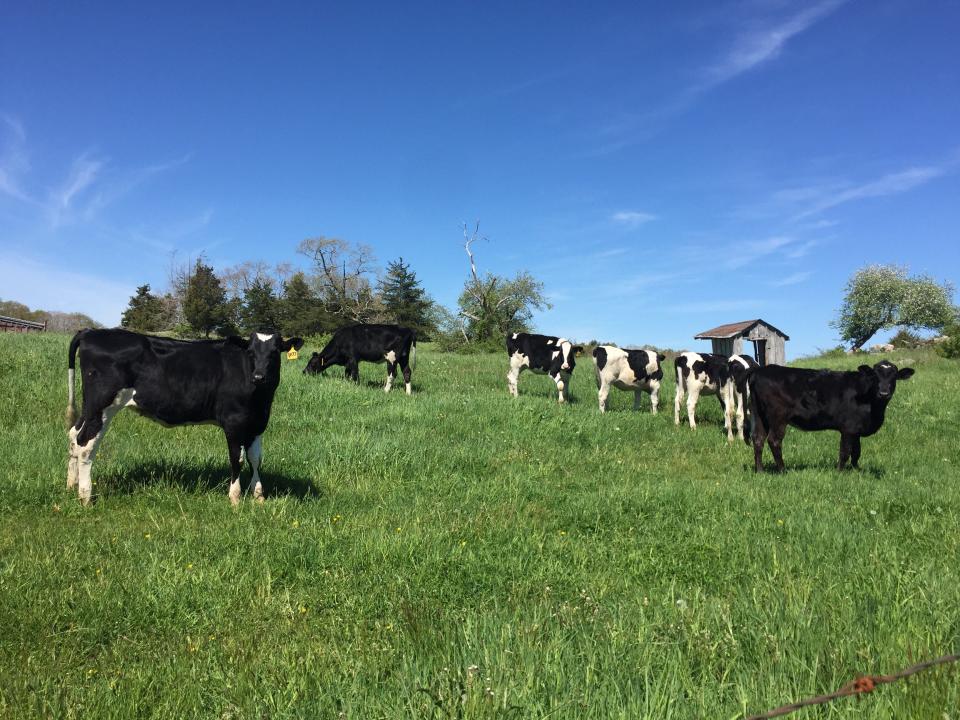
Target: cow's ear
[(293, 342), (865, 369), (905, 373), (238, 341)]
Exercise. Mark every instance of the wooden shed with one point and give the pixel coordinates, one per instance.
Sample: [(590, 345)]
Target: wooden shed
[(768, 342), (9, 324)]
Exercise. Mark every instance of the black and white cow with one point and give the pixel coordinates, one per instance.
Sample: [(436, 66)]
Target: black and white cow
[(392, 344), (737, 395), (553, 356), (701, 374), (637, 370), (854, 403), (229, 383)]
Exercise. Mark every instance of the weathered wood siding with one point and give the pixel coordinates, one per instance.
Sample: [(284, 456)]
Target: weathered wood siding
[(776, 350)]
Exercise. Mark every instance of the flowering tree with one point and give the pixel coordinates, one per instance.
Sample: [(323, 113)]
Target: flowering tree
[(881, 297)]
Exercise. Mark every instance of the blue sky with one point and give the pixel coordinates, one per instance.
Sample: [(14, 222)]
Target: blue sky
[(662, 168)]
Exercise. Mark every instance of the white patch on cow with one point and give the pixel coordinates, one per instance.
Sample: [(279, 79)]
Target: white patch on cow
[(566, 348), (409, 388), (264, 338), (234, 493), (739, 359), (391, 356), (389, 385), (72, 468), (514, 336), (254, 457), (85, 454)]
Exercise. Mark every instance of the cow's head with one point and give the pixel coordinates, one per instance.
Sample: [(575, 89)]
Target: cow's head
[(316, 365), (883, 378), (264, 350), (568, 355)]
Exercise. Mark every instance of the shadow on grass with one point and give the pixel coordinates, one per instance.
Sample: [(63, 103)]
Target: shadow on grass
[(852, 474), (205, 477)]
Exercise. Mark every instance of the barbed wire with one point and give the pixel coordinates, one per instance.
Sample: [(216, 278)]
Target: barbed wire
[(860, 686)]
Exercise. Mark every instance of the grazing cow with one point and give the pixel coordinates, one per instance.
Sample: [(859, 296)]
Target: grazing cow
[(542, 354), (637, 370), (229, 383), (392, 344), (702, 374), (852, 402), (737, 396)]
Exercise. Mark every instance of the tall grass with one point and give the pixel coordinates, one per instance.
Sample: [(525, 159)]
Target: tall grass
[(463, 554)]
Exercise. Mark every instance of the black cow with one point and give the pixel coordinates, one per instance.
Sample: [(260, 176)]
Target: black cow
[(702, 374), (229, 383), (852, 402), (637, 370), (737, 391), (393, 344), (542, 354)]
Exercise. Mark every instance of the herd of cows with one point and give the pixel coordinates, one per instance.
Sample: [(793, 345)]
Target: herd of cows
[(231, 383)]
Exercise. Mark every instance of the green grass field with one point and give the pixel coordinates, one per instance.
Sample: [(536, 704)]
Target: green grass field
[(460, 554)]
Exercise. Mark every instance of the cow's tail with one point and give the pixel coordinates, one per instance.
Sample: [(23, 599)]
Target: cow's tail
[(413, 352), (71, 373)]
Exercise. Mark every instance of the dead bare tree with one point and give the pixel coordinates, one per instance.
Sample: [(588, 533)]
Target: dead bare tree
[(241, 277), (492, 305), (341, 276)]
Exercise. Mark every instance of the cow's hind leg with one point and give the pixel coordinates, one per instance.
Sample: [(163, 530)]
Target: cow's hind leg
[(759, 437), (603, 392), (637, 393), (692, 398), (234, 447), (775, 440), (73, 458), (93, 426), (654, 397), (407, 374), (855, 451), (513, 375), (678, 400), (391, 374), (254, 457)]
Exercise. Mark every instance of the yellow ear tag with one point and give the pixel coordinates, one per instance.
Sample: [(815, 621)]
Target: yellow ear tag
[(292, 354)]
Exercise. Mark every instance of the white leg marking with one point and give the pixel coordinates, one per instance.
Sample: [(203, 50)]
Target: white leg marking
[(692, 404), (409, 387), (254, 456), (654, 397), (560, 386), (516, 367), (86, 453), (602, 395), (678, 399), (234, 493), (72, 469), (386, 388)]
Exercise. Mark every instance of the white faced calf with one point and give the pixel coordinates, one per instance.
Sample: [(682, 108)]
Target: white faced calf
[(737, 396), (702, 374), (637, 370)]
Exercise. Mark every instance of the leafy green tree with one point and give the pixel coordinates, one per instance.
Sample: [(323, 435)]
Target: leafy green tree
[(205, 305), (145, 313), (404, 301), (882, 297), (261, 307), (492, 305), (302, 313)]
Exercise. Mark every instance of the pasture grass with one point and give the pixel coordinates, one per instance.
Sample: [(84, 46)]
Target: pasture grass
[(461, 554)]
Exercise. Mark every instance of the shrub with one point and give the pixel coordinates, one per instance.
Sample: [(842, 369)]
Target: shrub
[(950, 348), (906, 339)]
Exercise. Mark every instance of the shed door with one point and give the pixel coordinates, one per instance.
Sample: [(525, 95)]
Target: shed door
[(760, 352)]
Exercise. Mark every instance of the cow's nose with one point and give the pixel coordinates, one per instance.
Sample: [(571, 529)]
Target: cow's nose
[(257, 377)]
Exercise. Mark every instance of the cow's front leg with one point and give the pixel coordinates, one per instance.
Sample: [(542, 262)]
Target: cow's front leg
[(236, 464), (740, 415), (775, 440), (558, 379), (406, 379), (391, 374), (677, 401), (855, 451), (692, 397), (845, 450), (254, 456), (654, 398), (512, 377)]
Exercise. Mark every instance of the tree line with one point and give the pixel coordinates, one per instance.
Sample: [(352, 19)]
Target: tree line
[(341, 285)]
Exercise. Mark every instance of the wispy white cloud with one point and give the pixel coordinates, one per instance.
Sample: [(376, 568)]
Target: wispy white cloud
[(740, 254), (890, 184), (758, 46), (83, 174), (14, 160), (794, 279), (632, 218)]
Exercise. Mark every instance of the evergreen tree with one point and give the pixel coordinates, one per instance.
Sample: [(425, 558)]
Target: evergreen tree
[(205, 305), (405, 302), (302, 313), (145, 313), (261, 307)]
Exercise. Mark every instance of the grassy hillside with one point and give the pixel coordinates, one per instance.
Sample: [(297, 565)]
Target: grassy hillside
[(459, 553)]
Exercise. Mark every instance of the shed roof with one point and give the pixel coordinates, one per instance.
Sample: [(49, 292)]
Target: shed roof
[(22, 323), (734, 329)]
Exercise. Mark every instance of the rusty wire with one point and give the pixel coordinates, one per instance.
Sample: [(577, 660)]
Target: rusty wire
[(860, 686)]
